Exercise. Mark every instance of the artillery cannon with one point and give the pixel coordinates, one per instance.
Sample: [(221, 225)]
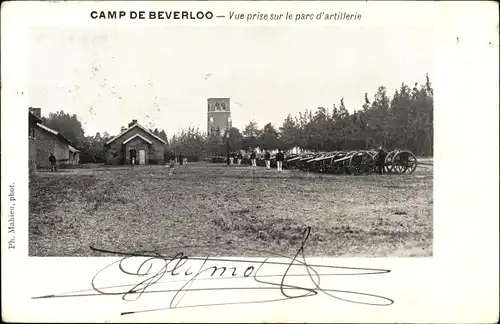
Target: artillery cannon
[(291, 161), (307, 163), (322, 162), (400, 161), (354, 162)]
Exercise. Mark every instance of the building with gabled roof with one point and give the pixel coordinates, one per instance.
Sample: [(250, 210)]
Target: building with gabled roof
[(44, 140), (135, 145)]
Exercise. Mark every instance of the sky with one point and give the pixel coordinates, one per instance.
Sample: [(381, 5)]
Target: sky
[(163, 76)]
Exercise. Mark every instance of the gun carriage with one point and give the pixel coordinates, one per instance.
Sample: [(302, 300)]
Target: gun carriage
[(354, 162), (341, 162), (401, 161)]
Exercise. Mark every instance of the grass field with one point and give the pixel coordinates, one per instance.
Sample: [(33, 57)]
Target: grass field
[(231, 209)]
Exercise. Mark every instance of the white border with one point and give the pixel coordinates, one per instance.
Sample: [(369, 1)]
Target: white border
[(459, 284)]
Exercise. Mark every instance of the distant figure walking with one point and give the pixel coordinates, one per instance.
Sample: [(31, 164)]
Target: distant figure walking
[(53, 162), (172, 157), (280, 157), (381, 160), (185, 161), (253, 157), (231, 158), (181, 159), (267, 159), (172, 162), (240, 157)]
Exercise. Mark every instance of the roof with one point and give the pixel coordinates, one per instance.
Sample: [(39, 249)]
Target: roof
[(34, 118), (130, 128), (48, 129), (134, 136), (56, 133), (72, 149)]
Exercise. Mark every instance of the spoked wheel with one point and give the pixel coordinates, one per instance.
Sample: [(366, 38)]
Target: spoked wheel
[(329, 165), (361, 163), (404, 162), (389, 159)]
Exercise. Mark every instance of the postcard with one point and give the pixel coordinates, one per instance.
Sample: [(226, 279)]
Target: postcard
[(250, 161)]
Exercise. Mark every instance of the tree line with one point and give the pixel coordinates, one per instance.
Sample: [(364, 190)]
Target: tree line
[(404, 120)]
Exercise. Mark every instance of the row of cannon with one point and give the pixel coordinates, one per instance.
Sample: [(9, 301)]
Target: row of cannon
[(354, 162), (342, 162)]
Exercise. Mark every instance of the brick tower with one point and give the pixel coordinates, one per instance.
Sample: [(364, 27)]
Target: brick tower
[(218, 115)]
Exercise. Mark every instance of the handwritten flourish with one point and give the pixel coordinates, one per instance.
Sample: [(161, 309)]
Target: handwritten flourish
[(179, 274)]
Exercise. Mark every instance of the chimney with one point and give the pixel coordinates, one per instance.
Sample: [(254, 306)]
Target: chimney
[(134, 121), (36, 111)]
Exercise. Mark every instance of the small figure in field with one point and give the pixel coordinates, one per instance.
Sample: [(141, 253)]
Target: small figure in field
[(381, 160), (267, 159), (240, 157), (231, 158), (53, 162), (181, 159), (172, 162), (253, 157), (133, 160), (185, 160), (280, 157)]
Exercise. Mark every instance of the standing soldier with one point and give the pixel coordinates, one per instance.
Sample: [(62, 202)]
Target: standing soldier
[(172, 157), (381, 160), (172, 161), (253, 157), (53, 162), (240, 157), (280, 157), (267, 159), (181, 159)]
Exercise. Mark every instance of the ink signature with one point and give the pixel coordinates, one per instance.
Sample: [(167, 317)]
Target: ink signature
[(159, 269)]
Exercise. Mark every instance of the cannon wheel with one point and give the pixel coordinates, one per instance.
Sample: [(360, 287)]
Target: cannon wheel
[(389, 159), (346, 163), (336, 168), (404, 162), (361, 162)]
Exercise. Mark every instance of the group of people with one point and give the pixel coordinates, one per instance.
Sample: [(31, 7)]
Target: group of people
[(280, 157), (173, 159), (235, 158)]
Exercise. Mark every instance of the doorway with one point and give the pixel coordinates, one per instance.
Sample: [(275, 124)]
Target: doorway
[(133, 157), (142, 157)]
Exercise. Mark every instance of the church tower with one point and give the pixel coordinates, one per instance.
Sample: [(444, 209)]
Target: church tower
[(218, 115)]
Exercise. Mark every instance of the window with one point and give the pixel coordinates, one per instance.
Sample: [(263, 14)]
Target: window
[(223, 105), (217, 106)]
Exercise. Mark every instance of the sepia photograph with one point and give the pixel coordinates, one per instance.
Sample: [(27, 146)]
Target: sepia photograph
[(231, 141), (250, 161)]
